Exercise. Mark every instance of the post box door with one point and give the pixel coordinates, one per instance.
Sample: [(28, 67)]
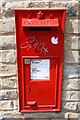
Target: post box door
[(40, 75)]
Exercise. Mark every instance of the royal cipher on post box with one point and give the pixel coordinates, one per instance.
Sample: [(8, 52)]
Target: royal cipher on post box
[(40, 48)]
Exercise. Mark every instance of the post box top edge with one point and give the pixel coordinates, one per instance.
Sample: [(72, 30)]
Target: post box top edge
[(63, 8)]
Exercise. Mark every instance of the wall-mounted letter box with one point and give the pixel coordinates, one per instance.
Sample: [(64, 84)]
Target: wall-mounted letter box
[(40, 41)]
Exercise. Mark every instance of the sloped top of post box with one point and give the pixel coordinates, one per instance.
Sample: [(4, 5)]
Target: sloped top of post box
[(40, 17)]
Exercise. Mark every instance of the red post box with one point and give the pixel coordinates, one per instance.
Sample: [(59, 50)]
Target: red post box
[(40, 48)]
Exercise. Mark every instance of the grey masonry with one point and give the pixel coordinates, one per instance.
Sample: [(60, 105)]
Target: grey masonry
[(9, 103)]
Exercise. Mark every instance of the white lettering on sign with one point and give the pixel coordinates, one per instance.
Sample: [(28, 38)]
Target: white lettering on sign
[(36, 22), (40, 69), (32, 42)]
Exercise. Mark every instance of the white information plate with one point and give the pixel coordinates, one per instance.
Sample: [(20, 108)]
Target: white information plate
[(40, 69)]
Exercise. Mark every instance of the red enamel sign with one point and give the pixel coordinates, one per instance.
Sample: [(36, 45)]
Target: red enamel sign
[(40, 23), (40, 48)]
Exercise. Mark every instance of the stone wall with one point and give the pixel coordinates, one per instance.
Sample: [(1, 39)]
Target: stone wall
[(8, 70)]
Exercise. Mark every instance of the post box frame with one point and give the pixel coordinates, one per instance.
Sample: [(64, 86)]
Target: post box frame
[(21, 81)]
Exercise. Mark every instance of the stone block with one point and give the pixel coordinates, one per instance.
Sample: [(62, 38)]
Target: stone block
[(1, 10), (71, 84), (71, 6), (7, 25), (11, 115), (72, 26), (45, 115), (10, 6), (70, 106), (1, 115), (8, 105), (7, 56), (79, 106), (7, 42), (8, 83), (39, 5), (71, 42), (70, 96), (8, 94), (79, 116), (79, 70), (71, 71), (71, 116), (71, 56), (7, 70)]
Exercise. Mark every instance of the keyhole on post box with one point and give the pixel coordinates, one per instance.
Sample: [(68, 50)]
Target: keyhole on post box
[(29, 89)]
